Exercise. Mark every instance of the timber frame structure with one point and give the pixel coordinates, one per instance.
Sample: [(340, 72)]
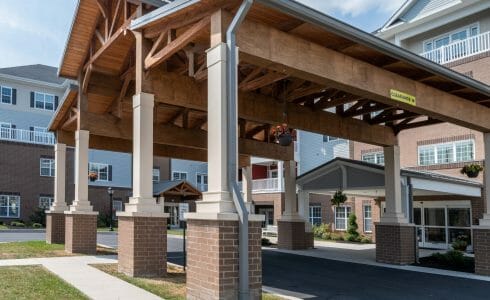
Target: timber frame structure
[(153, 79)]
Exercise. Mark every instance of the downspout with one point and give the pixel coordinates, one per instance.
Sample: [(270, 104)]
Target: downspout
[(411, 218), (232, 92)]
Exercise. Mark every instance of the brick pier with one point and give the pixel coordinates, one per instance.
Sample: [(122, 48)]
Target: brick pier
[(81, 233), (55, 228), (395, 243)]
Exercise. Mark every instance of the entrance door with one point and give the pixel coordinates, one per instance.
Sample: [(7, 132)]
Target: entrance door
[(173, 212), (268, 212), (440, 224)]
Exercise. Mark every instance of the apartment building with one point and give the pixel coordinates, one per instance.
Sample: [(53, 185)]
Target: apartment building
[(29, 97)]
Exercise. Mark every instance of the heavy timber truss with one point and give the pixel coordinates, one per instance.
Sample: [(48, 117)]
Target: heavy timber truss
[(289, 71)]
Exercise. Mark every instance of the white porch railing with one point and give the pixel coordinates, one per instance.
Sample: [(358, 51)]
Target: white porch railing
[(27, 136), (460, 49), (267, 185)]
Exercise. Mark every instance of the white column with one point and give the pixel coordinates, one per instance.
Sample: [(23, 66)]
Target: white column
[(59, 203), (81, 203), (142, 203), (280, 175), (393, 193), (218, 198), (486, 181), (290, 209), (304, 208)]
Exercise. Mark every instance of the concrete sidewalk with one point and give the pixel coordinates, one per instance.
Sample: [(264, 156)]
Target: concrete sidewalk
[(89, 280)]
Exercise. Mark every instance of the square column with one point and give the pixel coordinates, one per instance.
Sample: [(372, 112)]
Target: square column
[(304, 212), (395, 237), (80, 219), (481, 233), (213, 231), (142, 235), (291, 226), (55, 217), (247, 184)]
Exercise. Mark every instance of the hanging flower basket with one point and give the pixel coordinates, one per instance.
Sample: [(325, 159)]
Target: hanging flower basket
[(472, 171), (338, 198), (284, 135), (92, 176)]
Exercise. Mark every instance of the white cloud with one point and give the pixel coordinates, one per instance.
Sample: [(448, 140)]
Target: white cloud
[(354, 7)]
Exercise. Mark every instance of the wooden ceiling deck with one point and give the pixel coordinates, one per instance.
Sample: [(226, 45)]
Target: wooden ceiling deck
[(275, 72)]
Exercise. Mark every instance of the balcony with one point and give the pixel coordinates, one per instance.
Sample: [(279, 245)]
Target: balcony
[(460, 49), (267, 185), (27, 136)]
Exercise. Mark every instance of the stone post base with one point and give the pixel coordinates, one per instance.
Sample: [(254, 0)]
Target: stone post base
[(81, 233), (395, 243), (142, 246), (481, 246), (212, 259), (55, 227), (291, 235)]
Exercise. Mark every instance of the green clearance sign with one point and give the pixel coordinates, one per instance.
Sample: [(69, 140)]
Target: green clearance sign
[(403, 97)]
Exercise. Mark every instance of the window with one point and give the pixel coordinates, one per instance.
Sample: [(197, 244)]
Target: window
[(327, 138), (117, 205), (451, 37), (44, 101), (6, 95), (47, 167), (156, 175), (315, 214), (103, 171), (446, 153), (202, 181), (341, 216), (9, 206), (374, 158), (176, 175), (45, 202), (368, 220), (5, 130)]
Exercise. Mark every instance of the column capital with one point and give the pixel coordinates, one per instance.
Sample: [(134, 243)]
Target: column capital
[(216, 54)]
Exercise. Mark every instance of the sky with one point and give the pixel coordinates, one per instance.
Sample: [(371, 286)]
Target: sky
[(35, 31)]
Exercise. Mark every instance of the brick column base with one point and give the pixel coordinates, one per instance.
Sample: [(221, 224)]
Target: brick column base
[(481, 246), (81, 233), (55, 228), (142, 246), (291, 235), (212, 259), (395, 243), (309, 240)]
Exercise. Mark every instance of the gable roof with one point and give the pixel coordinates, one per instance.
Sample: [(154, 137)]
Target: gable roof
[(181, 187), (35, 72)]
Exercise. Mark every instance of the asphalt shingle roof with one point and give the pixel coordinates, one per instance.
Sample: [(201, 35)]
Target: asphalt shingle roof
[(35, 72)]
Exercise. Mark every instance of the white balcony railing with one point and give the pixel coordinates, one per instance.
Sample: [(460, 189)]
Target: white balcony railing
[(267, 185), (27, 136), (460, 49)]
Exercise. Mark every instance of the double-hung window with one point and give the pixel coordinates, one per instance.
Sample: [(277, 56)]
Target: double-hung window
[(315, 214), (374, 158), (446, 153), (45, 202), (176, 175), (44, 101), (9, 206), (47, 167), (6, 95), (368, 218), (341, 215), (102, 170), (202, 181), (156, 175)]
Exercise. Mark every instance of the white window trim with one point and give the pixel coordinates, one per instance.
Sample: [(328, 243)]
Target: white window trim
[(346, 216), (8, 207), (99, 165), (153, 175), (50, 169), (364, 218), (201, 174), (432, 40), (376, 156), (11, 95), (44, 101), (310, 215), (434, 149), (50, 201), (179, 172)]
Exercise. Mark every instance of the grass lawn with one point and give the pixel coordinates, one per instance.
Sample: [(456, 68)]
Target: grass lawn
[(175, 231), (39, 249), (171, 287), (34, 282), (3, 227), (104, 229)]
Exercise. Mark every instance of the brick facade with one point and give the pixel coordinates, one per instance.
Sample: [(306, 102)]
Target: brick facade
[(142, 246), (270, 199), (212, 259), (395, 243), (55, 228), (81, 233), (291, 235), (481, 244)]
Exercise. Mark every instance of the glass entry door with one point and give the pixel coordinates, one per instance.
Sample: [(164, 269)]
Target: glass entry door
[(440, 224)]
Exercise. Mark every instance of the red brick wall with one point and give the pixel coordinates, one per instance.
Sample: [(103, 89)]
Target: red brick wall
[(481, 240), (274, 199), (395, 244), (81, 233)]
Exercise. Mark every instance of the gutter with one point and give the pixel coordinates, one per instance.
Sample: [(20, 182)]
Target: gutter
[(232, 95)]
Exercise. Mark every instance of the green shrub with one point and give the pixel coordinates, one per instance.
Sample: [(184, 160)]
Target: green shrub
[(336, 237), (326, 236), (104, 220), (17, 224), (451, 257), (39, 216), (37, 225), (320, 230), (352, 234), (366, 240), (459, 245), (266, 242)]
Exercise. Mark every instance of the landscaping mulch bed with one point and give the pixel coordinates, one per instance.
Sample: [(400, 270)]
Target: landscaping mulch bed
[(467, 265)]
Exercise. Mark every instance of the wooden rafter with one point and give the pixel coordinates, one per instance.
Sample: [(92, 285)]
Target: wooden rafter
[(382, 118), (257, 83)]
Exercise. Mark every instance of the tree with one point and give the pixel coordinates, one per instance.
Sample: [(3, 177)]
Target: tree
[(352, 234)]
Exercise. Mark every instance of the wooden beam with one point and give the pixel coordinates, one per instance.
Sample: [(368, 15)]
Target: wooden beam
[(267, 47), (176, 45), (262, 81)]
